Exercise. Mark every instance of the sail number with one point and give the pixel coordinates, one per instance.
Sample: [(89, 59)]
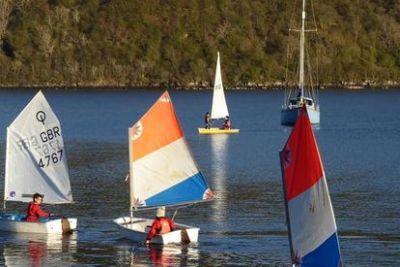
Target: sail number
[(44, 144), (51, 158)]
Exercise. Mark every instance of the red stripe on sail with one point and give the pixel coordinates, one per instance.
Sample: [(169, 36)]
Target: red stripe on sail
[(300, 158)]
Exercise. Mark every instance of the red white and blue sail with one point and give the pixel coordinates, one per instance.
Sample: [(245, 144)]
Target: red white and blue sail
[(311, 222), (162, 169)]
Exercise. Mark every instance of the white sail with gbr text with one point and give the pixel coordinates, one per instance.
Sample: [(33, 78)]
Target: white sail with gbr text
[(35, 157), (219, 108)]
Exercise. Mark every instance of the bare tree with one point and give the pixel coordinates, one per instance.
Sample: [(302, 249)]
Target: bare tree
[(47, 43), (22, 5), (223, 30), (61, 14), (5, 11)]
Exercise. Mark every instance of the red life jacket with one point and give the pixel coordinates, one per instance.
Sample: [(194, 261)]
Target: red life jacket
[(34, 212), (164, 226), (160, 226)]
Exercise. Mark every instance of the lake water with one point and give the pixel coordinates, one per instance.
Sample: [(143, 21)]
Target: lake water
[(359, 139)]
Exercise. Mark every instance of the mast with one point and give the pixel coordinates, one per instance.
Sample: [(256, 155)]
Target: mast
[(302, 40), (286, 209), (130, 174), (5, 176)]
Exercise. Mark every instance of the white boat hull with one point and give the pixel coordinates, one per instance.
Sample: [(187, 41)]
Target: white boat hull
[(53, 226), (289, 115), (136, 229)]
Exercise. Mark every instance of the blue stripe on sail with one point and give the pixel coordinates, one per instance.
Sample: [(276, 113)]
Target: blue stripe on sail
[(189, 190), (326, 255)]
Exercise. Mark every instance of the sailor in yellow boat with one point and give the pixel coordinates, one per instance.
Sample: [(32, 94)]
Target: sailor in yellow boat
[(227, 123), (207, 120)]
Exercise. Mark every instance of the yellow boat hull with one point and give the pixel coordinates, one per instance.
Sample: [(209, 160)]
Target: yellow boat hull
[(217, 131)]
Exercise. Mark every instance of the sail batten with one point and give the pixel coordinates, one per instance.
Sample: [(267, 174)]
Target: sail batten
[(219, 109), (311, 221), (35, 158), (163, 169)]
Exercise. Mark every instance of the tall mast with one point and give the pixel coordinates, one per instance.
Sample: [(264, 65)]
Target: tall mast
[(5, 174), (130, 172), (286, 208), (302, 40)]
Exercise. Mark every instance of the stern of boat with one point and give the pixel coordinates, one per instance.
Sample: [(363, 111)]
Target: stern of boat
[(289, 115)]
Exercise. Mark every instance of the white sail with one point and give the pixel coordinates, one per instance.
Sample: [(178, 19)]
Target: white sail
[(35, 158), (219, 108)]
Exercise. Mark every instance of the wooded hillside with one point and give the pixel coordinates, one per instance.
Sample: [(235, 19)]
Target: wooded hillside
[(154, 42)]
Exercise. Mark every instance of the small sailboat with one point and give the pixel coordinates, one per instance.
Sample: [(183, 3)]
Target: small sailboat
[(36, 162), (162, 173), (310, 219), (301, 95), (219, 109)]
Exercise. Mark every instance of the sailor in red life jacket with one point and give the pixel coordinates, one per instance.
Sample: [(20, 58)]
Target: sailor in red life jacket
[(34, 211), (161, 225)]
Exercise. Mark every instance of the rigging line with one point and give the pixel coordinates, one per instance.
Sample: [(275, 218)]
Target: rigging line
[(317, 68), (313, 90), (310, 74), (317, 50), (292, 89), (175, 212), (313, 14), (180, 207), (286, 97)]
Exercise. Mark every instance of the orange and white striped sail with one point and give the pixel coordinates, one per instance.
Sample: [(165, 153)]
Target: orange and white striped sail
[(162, 169)]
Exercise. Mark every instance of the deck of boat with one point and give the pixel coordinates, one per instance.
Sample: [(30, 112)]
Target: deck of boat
[(217, 131)]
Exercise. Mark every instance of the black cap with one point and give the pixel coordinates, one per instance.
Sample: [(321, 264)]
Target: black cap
[(38, 195)]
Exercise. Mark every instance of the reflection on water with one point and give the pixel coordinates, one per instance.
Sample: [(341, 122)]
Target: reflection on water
[(219, 150), (160, 256), (172, 256), (245, 224), (38, 249)]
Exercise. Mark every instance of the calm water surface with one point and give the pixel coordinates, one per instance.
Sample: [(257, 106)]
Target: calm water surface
[(359, 139)]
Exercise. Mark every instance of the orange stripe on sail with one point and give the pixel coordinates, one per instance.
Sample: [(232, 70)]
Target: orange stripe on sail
[(156, 129)]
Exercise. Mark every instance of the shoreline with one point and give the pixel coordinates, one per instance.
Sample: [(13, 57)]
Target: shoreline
[(199, 88)]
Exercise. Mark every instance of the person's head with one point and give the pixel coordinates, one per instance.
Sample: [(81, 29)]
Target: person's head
[(160, 212), (207, 114), (38, 198)]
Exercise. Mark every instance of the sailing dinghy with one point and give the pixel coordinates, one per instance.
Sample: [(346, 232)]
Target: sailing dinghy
[(162, 173), (219, 109), (311, 223), (36, 162)]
